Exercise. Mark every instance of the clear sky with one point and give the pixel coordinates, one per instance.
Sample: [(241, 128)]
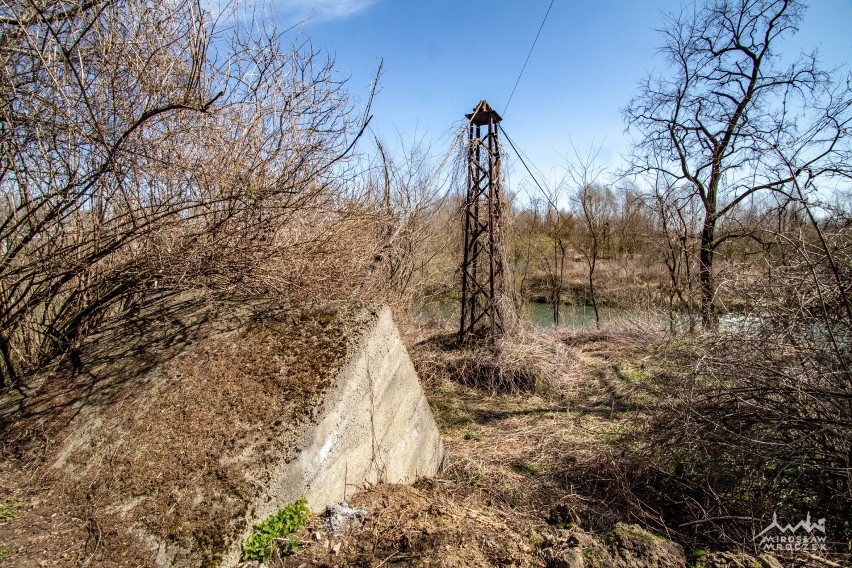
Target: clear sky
[(442, 56)]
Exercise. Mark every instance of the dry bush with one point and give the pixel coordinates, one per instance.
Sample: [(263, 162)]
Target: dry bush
[(149, 146), (747, 432), (412, 254), (753, 420), (525, 361)]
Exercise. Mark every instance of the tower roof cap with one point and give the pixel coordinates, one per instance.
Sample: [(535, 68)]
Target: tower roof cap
[(483, 114)]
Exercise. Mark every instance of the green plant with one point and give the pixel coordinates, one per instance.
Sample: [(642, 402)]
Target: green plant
[(473, 436), (613, 436), (5, 552), (699, 552), (590, 556), (530, 468), (258, 546), (9, 511), (698, 560), (633, 375)]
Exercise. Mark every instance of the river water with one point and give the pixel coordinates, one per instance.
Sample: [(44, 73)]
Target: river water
[(574, 317), (540, 314), (577, 317)]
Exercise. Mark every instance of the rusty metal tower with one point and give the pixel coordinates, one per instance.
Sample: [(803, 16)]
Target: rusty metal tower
[(482, 265)]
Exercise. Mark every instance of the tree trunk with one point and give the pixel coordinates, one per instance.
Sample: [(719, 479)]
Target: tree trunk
[(709, 315), (8, 375), (592, 293), (555, 300)]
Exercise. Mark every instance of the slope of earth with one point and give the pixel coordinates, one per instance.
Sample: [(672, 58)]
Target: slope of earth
[(166, 436)]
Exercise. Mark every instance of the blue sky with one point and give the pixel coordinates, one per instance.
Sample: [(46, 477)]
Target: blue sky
[(442, 56)]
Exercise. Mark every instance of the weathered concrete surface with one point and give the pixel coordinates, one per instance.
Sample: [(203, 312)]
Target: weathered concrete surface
[(375, 426)]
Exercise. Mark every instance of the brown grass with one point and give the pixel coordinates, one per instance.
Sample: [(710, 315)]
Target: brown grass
[(433, 523), (527, 361)]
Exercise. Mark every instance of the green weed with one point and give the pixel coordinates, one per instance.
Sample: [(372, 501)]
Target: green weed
[(449, 415), (258, 546), (613, 436), (634, 375), (473, 436), (530, 468), (9, 511)]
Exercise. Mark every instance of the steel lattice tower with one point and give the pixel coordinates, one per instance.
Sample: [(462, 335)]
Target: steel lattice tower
[(482, 266)]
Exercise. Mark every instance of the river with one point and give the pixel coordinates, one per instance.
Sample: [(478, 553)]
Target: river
[(540, 314), (577, 317)]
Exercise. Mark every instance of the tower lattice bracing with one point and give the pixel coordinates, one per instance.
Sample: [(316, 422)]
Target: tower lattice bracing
[(482, 264)]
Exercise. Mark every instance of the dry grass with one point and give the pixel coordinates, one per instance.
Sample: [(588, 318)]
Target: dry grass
[(541, 442), (527, 361), (628, 282), (433, 523)]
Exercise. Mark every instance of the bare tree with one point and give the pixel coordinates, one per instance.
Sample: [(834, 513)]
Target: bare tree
[(527, 225), (559, 229), (631, 223), (409, 196), (716, 120), (758, 143), (594, 204), (677, 217)]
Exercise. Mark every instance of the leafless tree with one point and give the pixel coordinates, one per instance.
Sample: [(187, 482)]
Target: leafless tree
[(676, 212), (718, 119), (594, 204), (631, 224), (410, 195), (559, 228)]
